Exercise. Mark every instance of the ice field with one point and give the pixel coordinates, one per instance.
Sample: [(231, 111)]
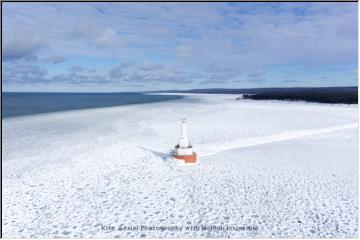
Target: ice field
[(266, 169)]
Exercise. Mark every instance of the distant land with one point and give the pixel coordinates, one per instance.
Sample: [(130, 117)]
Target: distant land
[(343, 95)]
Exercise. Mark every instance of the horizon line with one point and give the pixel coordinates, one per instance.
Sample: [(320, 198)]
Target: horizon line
[(179, 90)]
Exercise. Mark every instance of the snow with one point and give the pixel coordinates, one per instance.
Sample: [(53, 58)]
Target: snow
[(266, 168)]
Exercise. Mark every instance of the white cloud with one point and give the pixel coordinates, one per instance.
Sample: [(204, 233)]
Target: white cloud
[(96, 36), (150, 66), (178, 42)]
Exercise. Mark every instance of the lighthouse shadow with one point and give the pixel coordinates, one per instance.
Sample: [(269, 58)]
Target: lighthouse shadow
[(165, 156)]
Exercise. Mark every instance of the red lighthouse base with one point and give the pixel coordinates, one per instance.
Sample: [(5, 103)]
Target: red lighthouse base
[(187, 158)]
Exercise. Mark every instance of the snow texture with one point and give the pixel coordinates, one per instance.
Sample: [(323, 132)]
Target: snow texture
[(266, 169)]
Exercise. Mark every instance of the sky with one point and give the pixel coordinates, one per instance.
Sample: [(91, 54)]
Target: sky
[(114, 47)]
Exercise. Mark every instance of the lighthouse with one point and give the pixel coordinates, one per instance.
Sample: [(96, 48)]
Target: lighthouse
[(183, 150)]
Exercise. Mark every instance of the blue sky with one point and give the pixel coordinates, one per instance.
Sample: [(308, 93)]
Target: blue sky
[(110, 47)]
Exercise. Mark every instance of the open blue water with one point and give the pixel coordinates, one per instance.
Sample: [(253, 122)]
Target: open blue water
[(19, 104)]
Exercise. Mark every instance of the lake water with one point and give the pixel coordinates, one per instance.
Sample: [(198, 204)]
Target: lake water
[(19, 104)]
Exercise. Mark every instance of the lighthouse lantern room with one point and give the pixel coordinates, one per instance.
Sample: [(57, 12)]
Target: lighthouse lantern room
[(183, 150)]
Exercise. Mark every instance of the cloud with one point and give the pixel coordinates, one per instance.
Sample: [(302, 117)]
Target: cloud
[(92, 70), (291, 81), (21, 45), (164, 74), (150, 66), (24, 73), (96, 36), (256, 80), (149, 72), (79, 75), (117, 72), (33, 74), (82, 78), (76, 68), (182, 43), (256, 74), (221, 77), (108, 38), (220, 72), (56, 59)]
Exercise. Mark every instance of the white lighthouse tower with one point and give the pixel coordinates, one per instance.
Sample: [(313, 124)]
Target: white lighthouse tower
[(184, 151)]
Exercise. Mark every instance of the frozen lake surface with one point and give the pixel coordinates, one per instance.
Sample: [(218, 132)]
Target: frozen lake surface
[(267, 169)]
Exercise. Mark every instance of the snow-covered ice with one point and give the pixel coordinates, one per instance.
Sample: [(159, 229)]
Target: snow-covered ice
[(266, 168)]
